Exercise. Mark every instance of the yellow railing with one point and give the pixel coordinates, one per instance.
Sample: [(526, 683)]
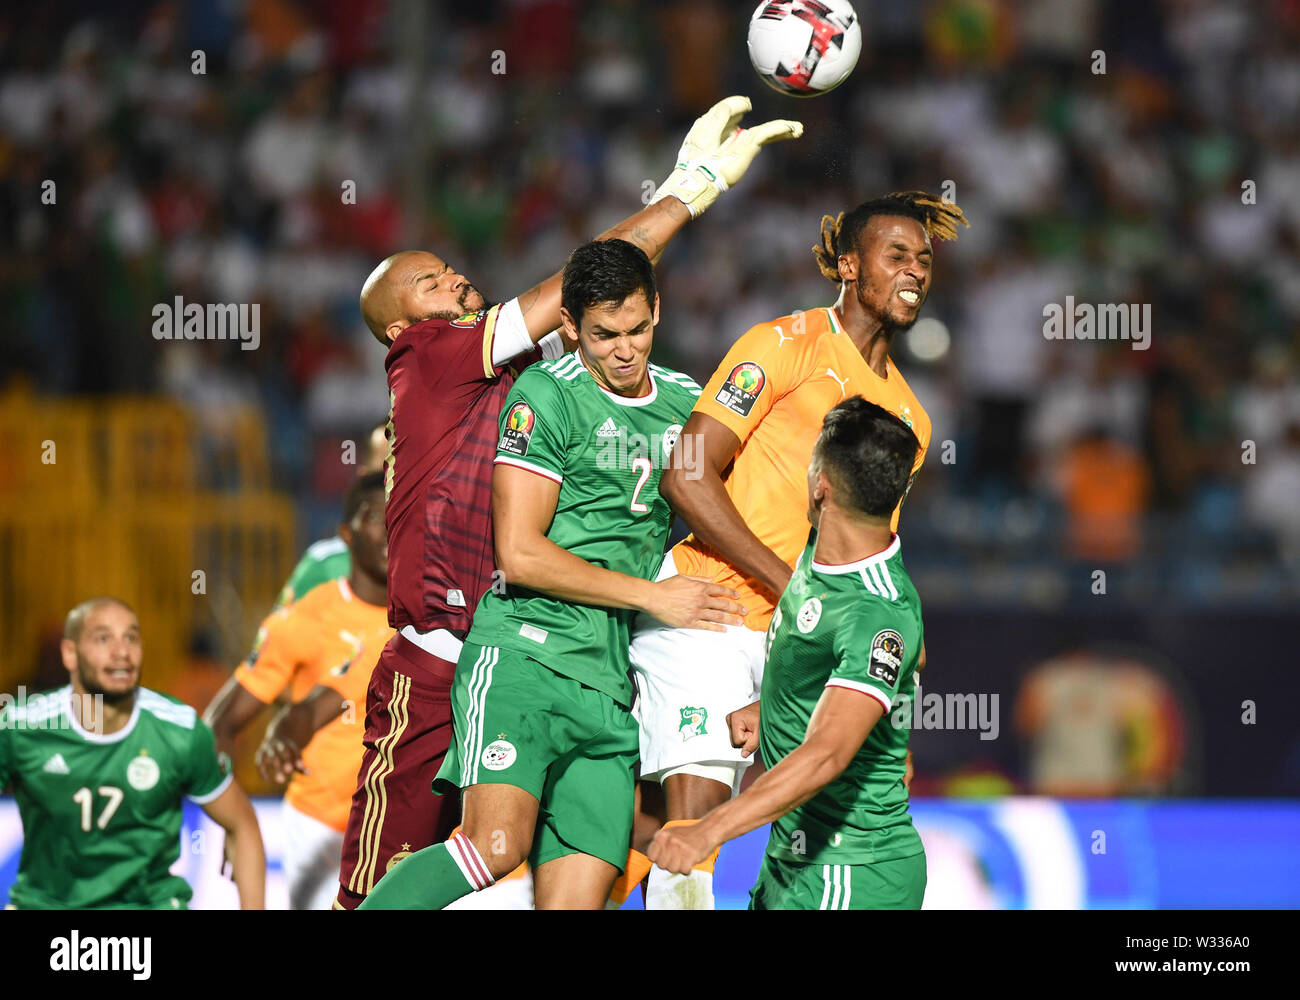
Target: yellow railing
[(103, 497)]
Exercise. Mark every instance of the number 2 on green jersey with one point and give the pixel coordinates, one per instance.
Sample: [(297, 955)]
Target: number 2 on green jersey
[(643, 464)]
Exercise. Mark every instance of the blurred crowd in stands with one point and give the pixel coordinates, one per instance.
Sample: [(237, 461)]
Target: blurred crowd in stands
[(1109, 150)]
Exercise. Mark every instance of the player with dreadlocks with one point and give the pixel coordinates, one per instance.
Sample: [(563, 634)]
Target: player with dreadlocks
[(743, 497)]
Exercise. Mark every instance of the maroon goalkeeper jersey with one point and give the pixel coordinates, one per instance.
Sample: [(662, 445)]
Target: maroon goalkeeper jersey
[(444, 399)]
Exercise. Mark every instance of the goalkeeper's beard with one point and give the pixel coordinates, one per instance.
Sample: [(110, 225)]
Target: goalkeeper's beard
[(462, 306)]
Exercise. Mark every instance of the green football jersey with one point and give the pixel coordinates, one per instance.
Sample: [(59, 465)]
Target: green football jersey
[(325, 560), (102, 814), (856, 626), (606, 452)]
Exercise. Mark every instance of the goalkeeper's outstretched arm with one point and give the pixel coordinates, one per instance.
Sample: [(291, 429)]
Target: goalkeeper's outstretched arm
[(714, 156)]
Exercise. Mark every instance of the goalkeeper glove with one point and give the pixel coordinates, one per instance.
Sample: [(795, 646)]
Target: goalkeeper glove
[(716, 153)]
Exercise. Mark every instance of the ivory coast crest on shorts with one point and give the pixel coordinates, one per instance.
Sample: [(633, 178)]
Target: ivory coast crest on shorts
[(518, 429), (742, 387), (692, 724)]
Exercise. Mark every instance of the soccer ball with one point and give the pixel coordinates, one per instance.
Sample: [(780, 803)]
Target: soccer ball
[(804, 47)]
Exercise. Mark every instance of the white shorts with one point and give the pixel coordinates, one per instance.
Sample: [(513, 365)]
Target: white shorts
[(312, 855), (687, 681)]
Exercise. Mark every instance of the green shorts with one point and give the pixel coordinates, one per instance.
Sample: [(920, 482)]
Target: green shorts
[(517, 722), (882, 885)]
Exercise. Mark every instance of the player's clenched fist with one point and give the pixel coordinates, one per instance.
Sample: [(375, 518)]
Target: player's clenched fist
[(277, 760), (680, 848), (689, 602), (743, 723)]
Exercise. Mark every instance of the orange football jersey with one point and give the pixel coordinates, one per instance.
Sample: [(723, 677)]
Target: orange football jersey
[(772, 390), (297, 647)]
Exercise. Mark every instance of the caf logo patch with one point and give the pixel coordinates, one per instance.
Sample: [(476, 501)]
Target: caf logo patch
[(743, 386), (469, 319), (886, 656), (518, 429), (809, 615), (498, 755), (143, 773)]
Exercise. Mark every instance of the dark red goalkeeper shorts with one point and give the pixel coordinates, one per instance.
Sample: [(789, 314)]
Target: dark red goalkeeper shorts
[(408, 729)]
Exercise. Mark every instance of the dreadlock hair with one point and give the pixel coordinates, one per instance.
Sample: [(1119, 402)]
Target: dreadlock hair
[(841, 234)]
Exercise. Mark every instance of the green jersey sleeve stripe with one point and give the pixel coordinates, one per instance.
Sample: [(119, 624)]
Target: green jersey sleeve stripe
[(539, 470), (215, 793), (875, 692)]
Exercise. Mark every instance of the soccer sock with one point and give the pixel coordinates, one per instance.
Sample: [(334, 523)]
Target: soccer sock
[(431, 878), (670, 891), (634, 873)]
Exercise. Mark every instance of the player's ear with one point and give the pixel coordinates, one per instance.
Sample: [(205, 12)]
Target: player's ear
[(655, 319), (393, 329), (68, 653), (821, 488), (848, 265), (345, 533), (569, 327)]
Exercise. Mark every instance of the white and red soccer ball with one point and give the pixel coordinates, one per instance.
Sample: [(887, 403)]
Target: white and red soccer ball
[(804, 47)]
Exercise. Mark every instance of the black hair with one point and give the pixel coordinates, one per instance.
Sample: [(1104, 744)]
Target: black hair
[(605, 271), (843, 233), (867, 453), (356, 495)]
